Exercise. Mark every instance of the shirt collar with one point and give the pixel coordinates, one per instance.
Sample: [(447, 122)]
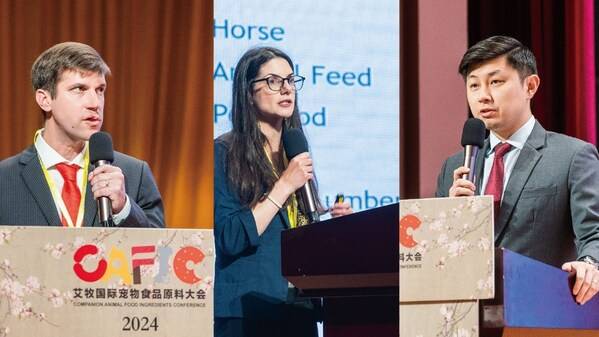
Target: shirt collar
[(518, 139), (50, 157)]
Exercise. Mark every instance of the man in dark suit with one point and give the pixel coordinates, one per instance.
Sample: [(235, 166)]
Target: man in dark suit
[(52, 182), (545, 185)]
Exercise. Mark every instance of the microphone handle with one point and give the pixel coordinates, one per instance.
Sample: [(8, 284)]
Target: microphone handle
[(104, 204), (470, 153), (310, 203)]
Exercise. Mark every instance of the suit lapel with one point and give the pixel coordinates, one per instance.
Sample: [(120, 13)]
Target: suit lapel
[(527, 160), (480, 167), (35, 181), (91, 208)]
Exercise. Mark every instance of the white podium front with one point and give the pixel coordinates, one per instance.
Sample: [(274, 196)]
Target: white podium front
[(99, 282), (446, 265)]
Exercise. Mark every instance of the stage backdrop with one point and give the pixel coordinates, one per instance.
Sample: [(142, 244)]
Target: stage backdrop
[(349, 54), (159, 97)]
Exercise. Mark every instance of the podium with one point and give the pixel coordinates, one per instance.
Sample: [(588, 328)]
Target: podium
[(98, 282), (351, 262), (462, 286), (534, 299)]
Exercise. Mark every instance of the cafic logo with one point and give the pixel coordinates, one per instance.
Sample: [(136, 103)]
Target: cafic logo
[(408, 221), (117, 264)]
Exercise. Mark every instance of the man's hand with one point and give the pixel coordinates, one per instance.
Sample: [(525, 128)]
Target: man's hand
[(461, 187), (587, 280), (109, 181)]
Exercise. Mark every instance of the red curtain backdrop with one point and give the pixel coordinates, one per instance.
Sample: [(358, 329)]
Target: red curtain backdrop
[(561, 35), (580, 70), (159, 97)]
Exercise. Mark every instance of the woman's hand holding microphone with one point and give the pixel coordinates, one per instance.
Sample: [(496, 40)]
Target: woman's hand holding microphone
[(297, 173)]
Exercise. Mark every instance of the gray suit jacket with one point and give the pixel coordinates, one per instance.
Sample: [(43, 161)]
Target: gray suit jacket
[(25, 198), (550, 207)]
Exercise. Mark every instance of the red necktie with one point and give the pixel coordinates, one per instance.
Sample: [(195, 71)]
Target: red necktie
[(71, 196), (495, 182)]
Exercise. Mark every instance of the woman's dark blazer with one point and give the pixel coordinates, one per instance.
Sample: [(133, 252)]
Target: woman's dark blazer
[(248, 281)]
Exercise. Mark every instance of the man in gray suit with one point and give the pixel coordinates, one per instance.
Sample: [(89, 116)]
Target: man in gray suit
[(52, 182), (545, 184)]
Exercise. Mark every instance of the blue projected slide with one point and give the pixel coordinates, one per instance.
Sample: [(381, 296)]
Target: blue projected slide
[(349, 53)]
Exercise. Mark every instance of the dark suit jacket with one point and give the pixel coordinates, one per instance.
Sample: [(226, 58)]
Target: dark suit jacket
[(248, 280), (25, 198), (550, 207)]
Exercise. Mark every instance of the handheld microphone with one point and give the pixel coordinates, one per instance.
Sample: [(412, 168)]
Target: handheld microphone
[(295, 143), (473, 139), (101, 153)]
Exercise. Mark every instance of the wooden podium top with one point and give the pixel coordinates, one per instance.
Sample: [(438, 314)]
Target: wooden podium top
[(350, 252)]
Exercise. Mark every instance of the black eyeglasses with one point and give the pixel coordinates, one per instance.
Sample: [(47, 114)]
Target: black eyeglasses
[(275, 82)]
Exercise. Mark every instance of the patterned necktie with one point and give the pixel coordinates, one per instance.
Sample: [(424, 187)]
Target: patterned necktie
[(495, 182), (71, 196)]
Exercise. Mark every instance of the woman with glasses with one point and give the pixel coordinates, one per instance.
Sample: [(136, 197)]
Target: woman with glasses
[(254, 200)]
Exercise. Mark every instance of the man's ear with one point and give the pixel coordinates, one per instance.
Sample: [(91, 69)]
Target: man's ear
[(532, 83), (44, 100)]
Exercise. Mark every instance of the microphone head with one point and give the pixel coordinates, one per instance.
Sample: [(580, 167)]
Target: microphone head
[(100, 147), (474, 133), (294, 142)]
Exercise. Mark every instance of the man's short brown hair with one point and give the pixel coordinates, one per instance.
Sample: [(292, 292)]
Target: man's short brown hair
[(49, 66)]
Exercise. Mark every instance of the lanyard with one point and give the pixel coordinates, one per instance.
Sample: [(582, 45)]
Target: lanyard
[(57, 196), (292, 207), (292, 211)]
